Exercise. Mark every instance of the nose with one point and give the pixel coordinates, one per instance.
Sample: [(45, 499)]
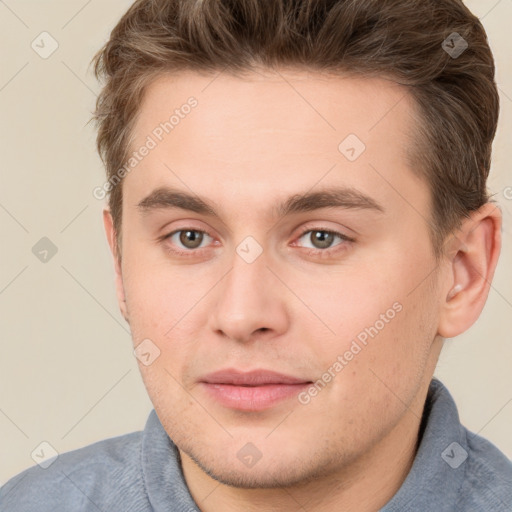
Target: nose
[(250, 301)]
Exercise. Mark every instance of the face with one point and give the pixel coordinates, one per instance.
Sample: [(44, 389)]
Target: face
[(334, 289)]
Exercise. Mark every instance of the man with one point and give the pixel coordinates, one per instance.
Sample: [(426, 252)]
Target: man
[(298, 218)]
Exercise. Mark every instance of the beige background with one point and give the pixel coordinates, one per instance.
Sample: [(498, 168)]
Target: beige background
[(67, 373)]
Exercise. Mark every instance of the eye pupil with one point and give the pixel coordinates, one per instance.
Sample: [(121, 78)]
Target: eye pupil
[(323, 237), (196, 237)]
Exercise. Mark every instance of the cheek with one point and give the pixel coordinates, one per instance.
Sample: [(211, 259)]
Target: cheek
[(343, 301), (167, 305), (158, 294), (379, 316)]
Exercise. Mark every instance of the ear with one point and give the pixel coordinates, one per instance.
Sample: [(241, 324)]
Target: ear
[(472, 258), (114, 249)]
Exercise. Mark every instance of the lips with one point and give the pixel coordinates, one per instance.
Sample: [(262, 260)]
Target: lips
[(251, 378), (255, 390)]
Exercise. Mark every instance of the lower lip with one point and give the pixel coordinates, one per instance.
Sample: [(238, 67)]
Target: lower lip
[(252, 398)]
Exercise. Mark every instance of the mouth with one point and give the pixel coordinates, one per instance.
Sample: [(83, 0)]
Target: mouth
[(251, 391)]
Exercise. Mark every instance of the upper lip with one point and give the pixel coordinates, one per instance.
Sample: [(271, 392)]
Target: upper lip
[(250, 378)]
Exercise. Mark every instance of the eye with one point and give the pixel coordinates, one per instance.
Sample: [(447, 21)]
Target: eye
[(322, 239), (189, 238)]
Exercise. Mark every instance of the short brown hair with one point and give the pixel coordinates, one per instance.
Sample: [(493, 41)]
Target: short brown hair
[(407, 41)]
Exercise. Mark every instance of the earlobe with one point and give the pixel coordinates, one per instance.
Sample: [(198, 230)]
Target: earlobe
[(114, 249), (476, 248)]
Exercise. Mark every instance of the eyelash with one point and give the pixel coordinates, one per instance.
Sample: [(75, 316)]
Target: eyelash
[(308, 251)]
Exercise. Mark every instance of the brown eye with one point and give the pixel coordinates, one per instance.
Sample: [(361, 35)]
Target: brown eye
[(184, 241), (321, 242), (191, 239), (321, 239)]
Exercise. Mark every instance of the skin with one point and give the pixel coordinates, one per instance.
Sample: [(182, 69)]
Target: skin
[(249, 144)]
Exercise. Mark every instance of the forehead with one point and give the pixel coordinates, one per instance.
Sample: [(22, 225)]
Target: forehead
[(271, 133), (327, 106)]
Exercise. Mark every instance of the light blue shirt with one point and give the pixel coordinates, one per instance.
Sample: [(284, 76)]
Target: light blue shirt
[(454, 470)]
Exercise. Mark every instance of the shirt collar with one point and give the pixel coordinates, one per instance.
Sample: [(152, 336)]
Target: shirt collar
[(161, 467), (437, 472)]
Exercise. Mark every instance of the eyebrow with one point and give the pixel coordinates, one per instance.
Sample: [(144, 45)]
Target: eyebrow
[(349, 198)]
